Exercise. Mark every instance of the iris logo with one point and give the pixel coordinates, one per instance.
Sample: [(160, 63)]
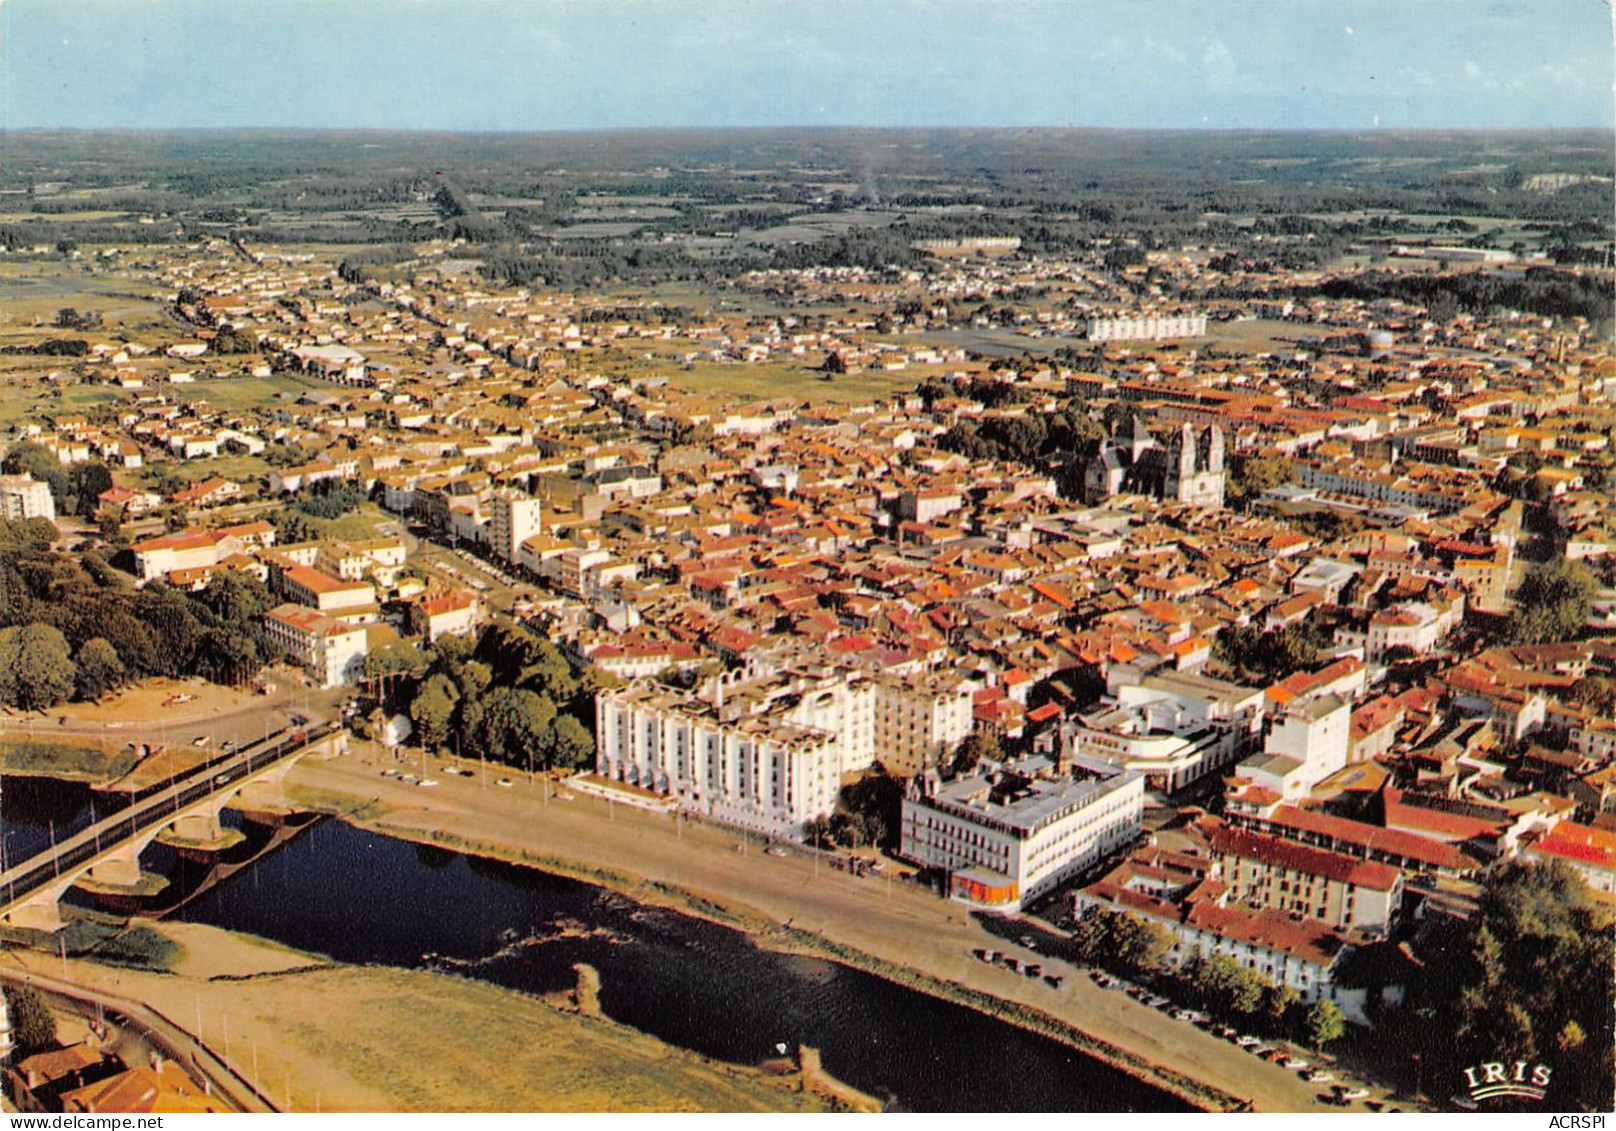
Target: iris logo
[(1494, 1079)]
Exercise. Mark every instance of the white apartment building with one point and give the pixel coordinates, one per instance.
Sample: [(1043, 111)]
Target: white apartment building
[(737, 759), (1149, 328), (1007, 834), (330, 650), (1310, 741), (23, 497), (513, 519)]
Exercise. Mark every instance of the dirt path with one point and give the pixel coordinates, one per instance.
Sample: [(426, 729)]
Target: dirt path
[(889, 920)]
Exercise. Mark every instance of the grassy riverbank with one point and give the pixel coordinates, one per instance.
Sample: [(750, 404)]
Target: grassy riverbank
[(346, 1038), (37, 758)]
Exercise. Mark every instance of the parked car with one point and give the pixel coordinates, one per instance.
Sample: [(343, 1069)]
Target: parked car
[(1293, 1064), (1247, 1042), (1318, 1076), (1355, 1094)]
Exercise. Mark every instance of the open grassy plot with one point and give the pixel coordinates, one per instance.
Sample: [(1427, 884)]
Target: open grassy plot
[(27, 757), (782, 381)]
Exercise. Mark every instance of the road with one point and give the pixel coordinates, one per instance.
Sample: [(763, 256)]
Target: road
[(224, 1080), (890, 920)]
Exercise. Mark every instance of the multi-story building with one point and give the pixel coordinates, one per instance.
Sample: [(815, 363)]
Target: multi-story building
[(1174, 728), (332, 651), (455, 613), (23, 497), (513, 519), (736, 760), (305, 586), (1344, 891), (1310, 741), (1008, 834), (919, 720), (1589, 851), (1145, 328)]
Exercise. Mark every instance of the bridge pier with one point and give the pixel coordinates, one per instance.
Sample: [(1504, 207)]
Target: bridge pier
[(44, 915)]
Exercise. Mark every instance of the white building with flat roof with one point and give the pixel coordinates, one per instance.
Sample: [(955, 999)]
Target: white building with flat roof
[(1006, 834)]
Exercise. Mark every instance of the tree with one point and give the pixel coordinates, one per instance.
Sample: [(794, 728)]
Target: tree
[(1553, 603), (1251, 477), (32, 1025), (36, 667), (1221, 983), (99, 670), (978, 746), (1120, 941), (1277, 1003), (86, 482), (433, 709), (571, 745), (1324, 1024), (1533, 975), (29, 458)]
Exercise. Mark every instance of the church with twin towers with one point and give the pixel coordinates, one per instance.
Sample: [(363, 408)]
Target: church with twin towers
[(1188, 468)]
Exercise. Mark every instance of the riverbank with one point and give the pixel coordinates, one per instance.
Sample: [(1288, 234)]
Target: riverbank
[(321, 1035), (72, 760), (889, 929)]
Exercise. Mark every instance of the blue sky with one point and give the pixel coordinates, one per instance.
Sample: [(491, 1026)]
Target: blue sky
[(585, 64)]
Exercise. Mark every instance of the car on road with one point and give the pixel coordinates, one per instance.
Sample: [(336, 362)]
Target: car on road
[(223, 779)]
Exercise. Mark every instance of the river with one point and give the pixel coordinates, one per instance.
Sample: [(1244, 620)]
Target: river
[(32, 810), (364, 898)]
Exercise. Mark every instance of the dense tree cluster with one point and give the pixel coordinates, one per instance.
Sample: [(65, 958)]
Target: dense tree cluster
[(1121, 942), (33, 1028), (1530, 976), (73, 626), (1263, 657), (510, 696), (1552, 603), (1541, 290)]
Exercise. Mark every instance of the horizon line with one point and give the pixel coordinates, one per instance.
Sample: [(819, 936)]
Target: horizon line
[(817, 127)]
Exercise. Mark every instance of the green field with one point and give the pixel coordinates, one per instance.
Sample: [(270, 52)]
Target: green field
[(780, 381), (39, 758)]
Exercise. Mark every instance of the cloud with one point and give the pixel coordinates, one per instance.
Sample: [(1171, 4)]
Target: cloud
[(1219, 65)]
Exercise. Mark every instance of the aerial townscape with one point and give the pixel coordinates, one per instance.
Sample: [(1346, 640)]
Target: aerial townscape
[(807, 620)]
